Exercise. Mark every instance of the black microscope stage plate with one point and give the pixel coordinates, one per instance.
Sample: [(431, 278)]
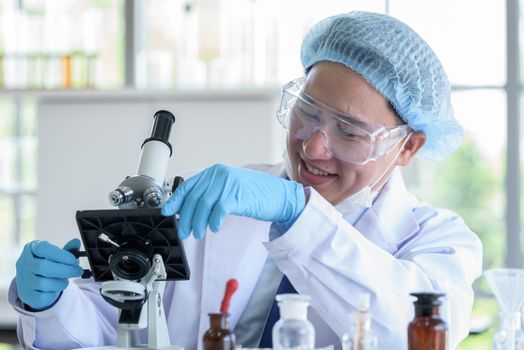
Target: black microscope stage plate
[(158, 232)]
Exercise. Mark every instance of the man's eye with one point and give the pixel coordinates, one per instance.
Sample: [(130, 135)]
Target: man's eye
[(307, 112), (350, 132)]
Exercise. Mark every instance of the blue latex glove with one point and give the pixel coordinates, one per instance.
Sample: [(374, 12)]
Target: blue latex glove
[(43, 270), (208, 197)]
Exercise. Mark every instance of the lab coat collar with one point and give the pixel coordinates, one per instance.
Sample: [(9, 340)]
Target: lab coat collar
[(390, 219)]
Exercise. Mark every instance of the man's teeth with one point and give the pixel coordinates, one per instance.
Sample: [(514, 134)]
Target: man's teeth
[(316, 171)]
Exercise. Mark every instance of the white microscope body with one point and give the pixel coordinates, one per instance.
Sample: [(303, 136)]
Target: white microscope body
[(132, 295)]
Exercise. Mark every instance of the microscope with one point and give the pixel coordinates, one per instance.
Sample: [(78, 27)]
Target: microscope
[(134, 250)]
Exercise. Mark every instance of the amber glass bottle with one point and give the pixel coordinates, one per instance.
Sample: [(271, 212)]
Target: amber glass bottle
[(219, 336), (427, 331)]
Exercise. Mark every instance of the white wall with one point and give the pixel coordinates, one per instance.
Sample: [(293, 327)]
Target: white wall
[(89, 143)]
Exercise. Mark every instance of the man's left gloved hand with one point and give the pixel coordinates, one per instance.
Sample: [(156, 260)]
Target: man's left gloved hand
[(208, 197)]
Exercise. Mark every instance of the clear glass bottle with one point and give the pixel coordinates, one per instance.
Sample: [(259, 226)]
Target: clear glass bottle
[(510, 336), (219, 336), (427, 331), (360, 336), (293, 330), (508, 287)]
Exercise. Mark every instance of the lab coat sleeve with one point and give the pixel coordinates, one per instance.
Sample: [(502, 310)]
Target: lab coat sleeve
[(80, 318), (327, 258)]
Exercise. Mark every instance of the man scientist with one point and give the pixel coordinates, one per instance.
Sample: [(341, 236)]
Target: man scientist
[(332, 221)]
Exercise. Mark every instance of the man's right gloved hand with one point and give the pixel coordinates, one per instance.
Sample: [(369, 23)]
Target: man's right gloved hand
[(43, 270)]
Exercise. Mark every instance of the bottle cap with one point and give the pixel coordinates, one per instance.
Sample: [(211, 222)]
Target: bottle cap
[(293, 306), (427, 299), (363, 300), (231, 288)]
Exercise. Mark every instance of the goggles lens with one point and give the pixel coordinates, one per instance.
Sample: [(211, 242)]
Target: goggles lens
[(346, 137)]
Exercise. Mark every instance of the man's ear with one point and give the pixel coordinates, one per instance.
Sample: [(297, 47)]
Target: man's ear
[(412, 146)]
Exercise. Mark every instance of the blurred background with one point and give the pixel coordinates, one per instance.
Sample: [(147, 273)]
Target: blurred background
[(81, 79)]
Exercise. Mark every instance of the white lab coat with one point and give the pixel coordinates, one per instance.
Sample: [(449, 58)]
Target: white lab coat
[(398, 246)]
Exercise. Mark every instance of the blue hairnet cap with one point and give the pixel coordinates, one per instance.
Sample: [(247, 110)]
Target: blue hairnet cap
[(399, 64)]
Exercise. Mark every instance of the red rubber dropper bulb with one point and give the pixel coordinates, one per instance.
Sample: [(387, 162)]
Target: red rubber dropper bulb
[(231, 288)]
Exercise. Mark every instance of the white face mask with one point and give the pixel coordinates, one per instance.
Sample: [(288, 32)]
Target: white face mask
[(360, 199)]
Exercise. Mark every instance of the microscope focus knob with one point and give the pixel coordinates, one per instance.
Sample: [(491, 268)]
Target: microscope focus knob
[(121, 195), (116, 198), (153, 197)]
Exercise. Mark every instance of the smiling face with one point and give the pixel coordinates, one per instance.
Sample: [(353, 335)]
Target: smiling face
[(312, 164)]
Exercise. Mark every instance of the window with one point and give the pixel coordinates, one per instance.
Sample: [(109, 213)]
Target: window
[(52, 45), (61, 44), (207, 43), (18, 176)]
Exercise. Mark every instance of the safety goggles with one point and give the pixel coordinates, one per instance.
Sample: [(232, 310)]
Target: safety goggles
[(347, 138)]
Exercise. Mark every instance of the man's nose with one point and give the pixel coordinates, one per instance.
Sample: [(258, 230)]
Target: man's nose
[(316, 146)]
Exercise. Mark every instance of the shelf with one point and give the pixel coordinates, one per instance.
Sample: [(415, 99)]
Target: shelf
[(139, 94)]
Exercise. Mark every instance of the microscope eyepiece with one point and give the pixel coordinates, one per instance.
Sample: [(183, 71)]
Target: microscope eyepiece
[(161, 131), (164, 120)]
